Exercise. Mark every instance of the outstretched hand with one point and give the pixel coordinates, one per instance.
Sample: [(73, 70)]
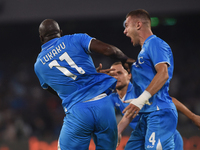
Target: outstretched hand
[(100, 70), (131, 110)]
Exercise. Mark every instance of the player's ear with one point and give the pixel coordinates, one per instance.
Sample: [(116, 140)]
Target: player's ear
[(138, 25), (41, 38), (129, 76), (61, 33)]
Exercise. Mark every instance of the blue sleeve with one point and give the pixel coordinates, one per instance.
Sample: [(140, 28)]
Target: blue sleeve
[(84, 40), (159, 52)]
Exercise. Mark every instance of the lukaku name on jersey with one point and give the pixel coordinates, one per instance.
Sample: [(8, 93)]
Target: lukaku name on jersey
[(53, 53)]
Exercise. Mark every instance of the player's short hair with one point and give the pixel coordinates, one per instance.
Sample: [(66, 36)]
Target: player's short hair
[(120, 63), (117, 63), (139, 13)]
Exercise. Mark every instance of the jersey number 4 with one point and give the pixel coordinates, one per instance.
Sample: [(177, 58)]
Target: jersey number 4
[(152, 138), (64, 70)]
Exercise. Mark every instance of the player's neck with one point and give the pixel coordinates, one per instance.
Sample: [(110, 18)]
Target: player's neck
[(122, 91), (144, 35)]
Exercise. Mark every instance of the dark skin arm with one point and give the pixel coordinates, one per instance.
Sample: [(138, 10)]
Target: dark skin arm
[(109, 50)]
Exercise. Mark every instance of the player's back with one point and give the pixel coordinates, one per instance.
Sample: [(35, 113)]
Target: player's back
[(65, 65)]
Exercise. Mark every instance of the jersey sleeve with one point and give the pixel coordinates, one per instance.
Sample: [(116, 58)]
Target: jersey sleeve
[(159, 52), (85, 41)]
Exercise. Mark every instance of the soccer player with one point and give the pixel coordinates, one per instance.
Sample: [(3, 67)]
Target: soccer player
[(125, 91), (151, 75), (65, 68)]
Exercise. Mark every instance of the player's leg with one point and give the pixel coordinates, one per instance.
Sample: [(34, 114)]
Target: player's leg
[(137, 138), (135, 142), (105, 134), (161, 126), (77, 128), (178, 141)]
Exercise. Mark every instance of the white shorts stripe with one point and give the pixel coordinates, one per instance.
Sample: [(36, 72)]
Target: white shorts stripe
[(159, 145)]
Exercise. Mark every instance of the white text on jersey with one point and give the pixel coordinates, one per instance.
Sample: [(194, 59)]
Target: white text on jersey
[(53, 53)]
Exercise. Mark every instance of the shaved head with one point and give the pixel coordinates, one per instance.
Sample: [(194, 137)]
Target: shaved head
[(48, 30)]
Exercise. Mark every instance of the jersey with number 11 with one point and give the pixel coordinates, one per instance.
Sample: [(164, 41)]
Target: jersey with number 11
[(65, 65)]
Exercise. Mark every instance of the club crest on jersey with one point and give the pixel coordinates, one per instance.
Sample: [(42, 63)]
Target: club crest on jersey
[(135, 64), (140, 60)]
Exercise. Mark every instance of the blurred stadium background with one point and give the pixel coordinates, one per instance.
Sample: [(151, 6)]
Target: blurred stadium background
[(31, 118)]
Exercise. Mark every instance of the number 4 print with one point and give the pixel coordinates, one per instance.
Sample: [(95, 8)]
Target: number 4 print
[(64, 70), (152, 138)]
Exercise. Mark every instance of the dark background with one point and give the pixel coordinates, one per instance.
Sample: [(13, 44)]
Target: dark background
[(26, 110)]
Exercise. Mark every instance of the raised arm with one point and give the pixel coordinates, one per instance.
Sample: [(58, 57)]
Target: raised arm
[(183, 109), (109, 50)]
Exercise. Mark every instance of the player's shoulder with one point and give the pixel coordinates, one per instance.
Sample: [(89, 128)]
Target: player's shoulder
[(113, 96), (76, 35), (157, 42)]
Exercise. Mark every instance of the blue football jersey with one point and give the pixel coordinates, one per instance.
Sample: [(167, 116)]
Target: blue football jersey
[(66, 66), (153, 52), (119, 105)]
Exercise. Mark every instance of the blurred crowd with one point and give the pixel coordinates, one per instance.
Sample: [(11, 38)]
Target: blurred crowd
[(27, 110)]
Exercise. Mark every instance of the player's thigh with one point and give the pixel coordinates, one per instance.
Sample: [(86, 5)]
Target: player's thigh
[(105, 133), (135, 142), (77, 129), (137, 138), (161, 126), (178, 141)]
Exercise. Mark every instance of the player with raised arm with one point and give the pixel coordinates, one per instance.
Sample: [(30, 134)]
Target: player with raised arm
[(65, 68), (151, 75)]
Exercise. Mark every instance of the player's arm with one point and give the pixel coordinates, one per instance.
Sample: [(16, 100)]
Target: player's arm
[(109, 50), (183, 109), (124, 122), (156, 84), (159, 79)]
